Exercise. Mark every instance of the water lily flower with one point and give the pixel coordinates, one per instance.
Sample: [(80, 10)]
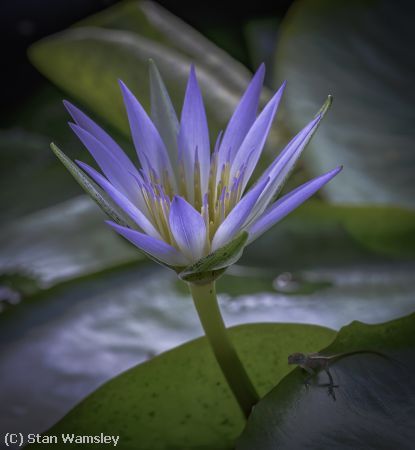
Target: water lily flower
[(186, 201), (190, 208)]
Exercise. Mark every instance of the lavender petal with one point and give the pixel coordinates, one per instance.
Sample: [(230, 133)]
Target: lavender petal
[(83, 121), (242, 119), (251, 147), (282, 166), (188, 228), (139, 218), (147, 140), (113, 169), (194, 135), (237, 217), (154, 247), (288, 203)]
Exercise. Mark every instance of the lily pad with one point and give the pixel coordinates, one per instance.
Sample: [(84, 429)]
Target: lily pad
[(180, 398), (357, 51), (65, 241), (151, 20), (30, 174), (373, 404), (86, 61)]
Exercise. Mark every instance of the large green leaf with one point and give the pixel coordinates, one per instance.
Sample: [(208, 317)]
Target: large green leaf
[(151, 20), (180, 399), (357, 51), (86, 61), (30, 174), (374, 402), (32, 177), (65, 241)]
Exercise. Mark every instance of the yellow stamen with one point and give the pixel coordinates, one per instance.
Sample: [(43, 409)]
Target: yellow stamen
[(197, 186)]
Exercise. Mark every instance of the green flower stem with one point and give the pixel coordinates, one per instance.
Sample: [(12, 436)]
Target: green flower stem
[(204, 296)]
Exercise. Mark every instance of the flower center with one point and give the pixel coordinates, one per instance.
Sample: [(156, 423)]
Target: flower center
[(223, 193)]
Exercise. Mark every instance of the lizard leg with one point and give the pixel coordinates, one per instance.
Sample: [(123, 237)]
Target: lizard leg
[(311, 374), (331, 384)]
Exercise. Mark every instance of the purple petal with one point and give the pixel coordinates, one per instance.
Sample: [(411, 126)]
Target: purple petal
[(89, 125), (113, 169), (236, 218), (251, 147), (282, 166), (154, 247), (188, 228), (288, 203), (139, 218), (147, 140), (194, 134), (243, 118)]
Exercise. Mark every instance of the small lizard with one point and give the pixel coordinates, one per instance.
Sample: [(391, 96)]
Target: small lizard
[(313, 363)]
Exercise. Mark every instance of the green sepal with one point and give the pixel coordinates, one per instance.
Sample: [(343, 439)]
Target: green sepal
[(94, 191), (213, 265), (163, 113), (321, 112), (101, 198), (326, 106)]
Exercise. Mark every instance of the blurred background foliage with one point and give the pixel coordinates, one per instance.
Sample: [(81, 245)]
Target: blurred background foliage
[(79, 304)]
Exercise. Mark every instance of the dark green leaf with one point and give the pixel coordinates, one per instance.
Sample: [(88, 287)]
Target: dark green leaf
[(357, 51), (87, 61), (374, 402), (151, 20)]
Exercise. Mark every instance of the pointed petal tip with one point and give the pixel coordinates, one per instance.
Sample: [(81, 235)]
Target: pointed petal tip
[(124, 88), (71, 108), (260, 72), (281, 89), (179, 200), (152, 68), (328, 176), (113, 225), (192, 76), (278, 94), (74, 126), (81, 164)]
